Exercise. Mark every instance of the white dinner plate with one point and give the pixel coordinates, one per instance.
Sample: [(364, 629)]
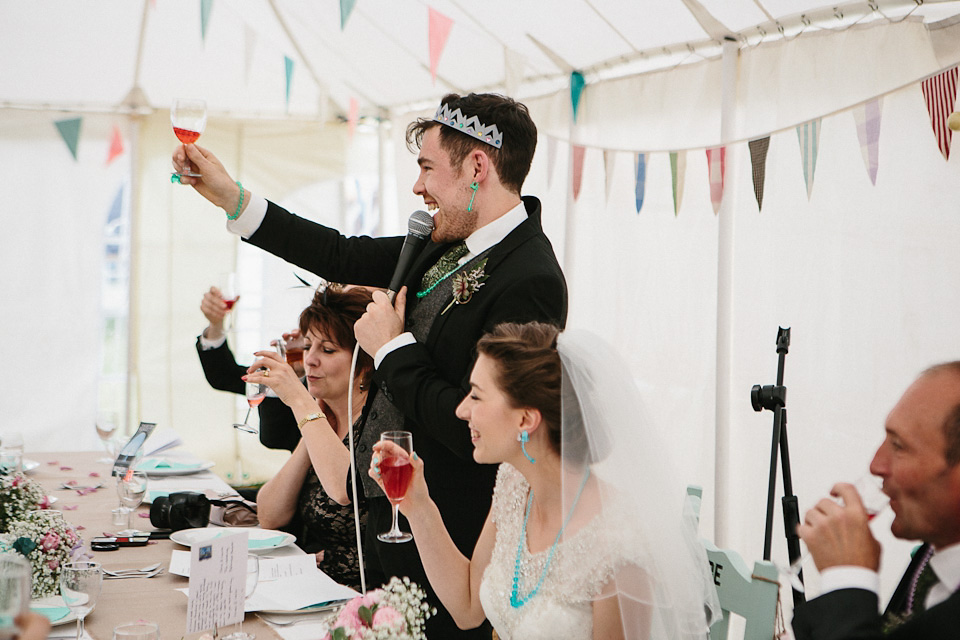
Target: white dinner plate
[(176, 468), (53, 603), (259, 539), (29, 465)]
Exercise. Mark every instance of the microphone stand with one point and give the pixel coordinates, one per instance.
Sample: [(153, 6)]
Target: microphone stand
[(774, 398)]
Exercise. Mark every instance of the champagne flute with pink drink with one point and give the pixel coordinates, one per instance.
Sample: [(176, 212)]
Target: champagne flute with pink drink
[(189, 119), (396, 472), (255, 395)]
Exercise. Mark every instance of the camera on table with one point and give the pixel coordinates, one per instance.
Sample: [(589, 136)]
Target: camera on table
[(180, 510)]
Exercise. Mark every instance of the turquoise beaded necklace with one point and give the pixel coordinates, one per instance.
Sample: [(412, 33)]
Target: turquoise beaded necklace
[(516, 600)]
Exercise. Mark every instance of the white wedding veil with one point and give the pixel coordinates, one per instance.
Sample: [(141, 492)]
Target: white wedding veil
[(663, 583)]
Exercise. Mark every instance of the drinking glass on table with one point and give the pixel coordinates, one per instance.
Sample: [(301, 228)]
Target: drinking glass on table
[(15, 575), (396, 472), (255, 394), (11, 453), (131, 487), (80, 587), (189, 119), (136, 631), (874, 500), (253, 576)]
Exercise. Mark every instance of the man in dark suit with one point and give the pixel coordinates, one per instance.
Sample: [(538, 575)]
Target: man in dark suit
[(919, 462), (488, 262)]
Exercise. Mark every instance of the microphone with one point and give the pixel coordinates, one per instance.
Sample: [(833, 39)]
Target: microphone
[(419, 228)]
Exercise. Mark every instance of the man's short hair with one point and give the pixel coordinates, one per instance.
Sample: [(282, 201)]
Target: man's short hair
[(512, 160), (951, 426)]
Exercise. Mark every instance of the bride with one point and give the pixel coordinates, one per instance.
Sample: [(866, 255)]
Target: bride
[(586, 537)]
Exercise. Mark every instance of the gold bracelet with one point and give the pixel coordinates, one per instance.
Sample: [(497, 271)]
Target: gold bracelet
[(309, 418)]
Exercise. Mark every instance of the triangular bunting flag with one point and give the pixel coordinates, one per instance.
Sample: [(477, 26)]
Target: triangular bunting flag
[(352, 117), (578, 152), (205, 7), (249, 44), (70, 132), (346, 8), (716, 167), (288, 67), (640, 171), (577, 83), (116, 145), (940, 94), (609, 160), (116, 208), (867, 117), (440, 26), (513, 64), (678, 169), (551, 157), (809, 136), (758, 159)]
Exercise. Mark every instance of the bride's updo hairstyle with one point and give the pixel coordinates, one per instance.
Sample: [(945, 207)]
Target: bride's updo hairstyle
[(529, 373)]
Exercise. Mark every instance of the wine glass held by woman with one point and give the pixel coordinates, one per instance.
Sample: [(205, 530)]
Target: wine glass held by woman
[(586, 536)]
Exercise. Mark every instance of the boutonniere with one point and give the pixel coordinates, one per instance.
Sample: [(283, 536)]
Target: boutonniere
[(465, 284)]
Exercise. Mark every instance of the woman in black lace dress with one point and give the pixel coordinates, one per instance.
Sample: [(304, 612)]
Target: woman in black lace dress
[(315, 482)]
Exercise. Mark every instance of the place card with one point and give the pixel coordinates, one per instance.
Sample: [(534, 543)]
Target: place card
[(218, 573)]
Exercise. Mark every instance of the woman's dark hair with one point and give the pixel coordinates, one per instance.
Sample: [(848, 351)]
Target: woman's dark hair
[(512, 160), (333, 312)]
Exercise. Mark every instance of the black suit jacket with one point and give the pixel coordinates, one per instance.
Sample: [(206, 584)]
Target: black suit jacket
[(278, 429)]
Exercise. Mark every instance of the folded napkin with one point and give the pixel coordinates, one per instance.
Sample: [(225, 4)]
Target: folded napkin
[(264, 543), (162, 464), (52, 613)]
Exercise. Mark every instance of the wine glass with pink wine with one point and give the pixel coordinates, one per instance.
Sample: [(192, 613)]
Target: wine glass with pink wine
[(189, 119), (396, 472)]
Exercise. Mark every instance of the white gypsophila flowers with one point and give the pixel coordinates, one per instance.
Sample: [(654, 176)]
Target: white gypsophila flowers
[(47, 541), (18, 496)]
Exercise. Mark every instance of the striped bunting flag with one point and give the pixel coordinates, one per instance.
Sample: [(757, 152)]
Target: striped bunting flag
[(716, 166), (867, 117), (640, 171), (758, 160), (809, 136), (940, 94), (678, 168), (578, 151)]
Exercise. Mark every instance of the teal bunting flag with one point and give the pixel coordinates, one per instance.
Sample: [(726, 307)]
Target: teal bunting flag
[(288, 65), (577, 83), (205, 7), (70, 132), (640, 165), (808, 135), (346, 8)]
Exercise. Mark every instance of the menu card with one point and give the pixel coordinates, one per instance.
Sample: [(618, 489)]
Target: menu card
[(218, 573)]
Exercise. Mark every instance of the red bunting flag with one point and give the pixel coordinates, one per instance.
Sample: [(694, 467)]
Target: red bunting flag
[(578, 151), (352, 117), (940, 94), (116, 145), (440, 26), (716, 163)]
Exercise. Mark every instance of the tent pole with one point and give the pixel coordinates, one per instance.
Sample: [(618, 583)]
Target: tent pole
[(725, 240)]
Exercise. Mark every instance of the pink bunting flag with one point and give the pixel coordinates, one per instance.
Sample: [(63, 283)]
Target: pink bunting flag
[(716, 165), (940, 94), (116, 145), (867, 117), (578, 152), (352, 117), (440, 26)]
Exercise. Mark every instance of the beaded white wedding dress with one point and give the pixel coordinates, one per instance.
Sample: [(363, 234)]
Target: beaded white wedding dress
[(581, 565)]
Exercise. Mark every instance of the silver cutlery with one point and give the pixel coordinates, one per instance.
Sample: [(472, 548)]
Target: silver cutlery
[(118, 575), (147, 569)]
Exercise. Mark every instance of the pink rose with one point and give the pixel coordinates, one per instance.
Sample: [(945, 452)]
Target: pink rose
[(50, 541), (45, 503), (17, 480), (388, 617), (53, 563)]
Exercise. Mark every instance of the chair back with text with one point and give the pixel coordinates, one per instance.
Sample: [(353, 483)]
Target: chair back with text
[(752, 595)]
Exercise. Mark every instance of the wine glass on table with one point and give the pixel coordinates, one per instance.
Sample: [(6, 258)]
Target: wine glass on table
[(80, 587), (396, 472), (255, 394), (253, 576), (131, 487), (136, 631), (875, 502), (189, 119), (15, 574)]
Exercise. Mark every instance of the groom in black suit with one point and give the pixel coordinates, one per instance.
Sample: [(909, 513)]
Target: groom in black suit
[(474, 155), (919, 462)]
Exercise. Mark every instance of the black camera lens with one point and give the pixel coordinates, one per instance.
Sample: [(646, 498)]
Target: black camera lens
[(180, 510)]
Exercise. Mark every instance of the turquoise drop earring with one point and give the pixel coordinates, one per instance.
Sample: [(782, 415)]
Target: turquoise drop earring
[(473, 185), (523, 438)]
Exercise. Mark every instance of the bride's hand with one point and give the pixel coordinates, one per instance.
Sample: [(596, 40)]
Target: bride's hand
[(417, 495)]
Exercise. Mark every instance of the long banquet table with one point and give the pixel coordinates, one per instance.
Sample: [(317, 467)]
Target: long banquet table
[(152, 599)]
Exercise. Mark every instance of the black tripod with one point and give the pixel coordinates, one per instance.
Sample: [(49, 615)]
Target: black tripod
[(774, 398)]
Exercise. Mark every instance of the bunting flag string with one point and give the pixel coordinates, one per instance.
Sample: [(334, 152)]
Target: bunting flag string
[(346, 8), (940, 95), (70, 132), (809, 136), (609, 160), (758, 161), (716, 167), (116, 145), (867, 118), (578, 152), (577, 83), (678, 169), (439, 31), (205, 8), (640, 172)]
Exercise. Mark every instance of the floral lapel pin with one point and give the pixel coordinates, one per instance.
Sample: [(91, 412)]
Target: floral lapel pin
[(465, 284)]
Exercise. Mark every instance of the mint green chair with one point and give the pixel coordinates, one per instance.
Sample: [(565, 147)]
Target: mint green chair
[(750, 594)]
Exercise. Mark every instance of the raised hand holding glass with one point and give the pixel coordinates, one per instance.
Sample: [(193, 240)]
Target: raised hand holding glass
[(396, 472)]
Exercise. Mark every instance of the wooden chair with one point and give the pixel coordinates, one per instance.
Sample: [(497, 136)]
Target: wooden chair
[(750, 594)]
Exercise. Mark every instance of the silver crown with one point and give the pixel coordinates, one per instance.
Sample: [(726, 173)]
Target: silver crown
[(470, 126)]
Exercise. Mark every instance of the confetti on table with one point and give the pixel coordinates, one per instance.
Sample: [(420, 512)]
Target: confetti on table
[(94, 474), (70, 507), (65, 468)]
